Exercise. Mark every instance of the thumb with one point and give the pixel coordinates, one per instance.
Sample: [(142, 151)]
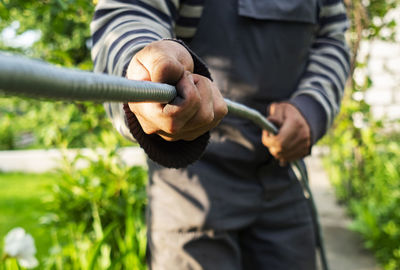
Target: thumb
[(276, 115)]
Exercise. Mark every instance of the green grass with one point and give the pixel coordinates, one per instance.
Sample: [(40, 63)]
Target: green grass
[(21, 206)]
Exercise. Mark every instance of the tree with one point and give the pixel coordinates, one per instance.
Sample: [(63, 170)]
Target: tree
[(64, 40)]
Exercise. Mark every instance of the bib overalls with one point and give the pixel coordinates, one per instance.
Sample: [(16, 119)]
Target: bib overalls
[(236, 208)]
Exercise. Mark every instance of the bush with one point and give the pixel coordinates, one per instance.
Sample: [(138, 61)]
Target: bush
[(96, 215), (28, 123), (363, 165)]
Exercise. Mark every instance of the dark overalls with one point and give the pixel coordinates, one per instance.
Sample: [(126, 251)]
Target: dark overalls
[(237, 208)]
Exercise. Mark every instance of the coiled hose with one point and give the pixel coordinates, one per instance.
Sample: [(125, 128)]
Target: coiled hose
[(37, 79)]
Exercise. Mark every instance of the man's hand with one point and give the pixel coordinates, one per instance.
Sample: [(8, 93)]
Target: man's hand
[(199, 105), (294, 138)]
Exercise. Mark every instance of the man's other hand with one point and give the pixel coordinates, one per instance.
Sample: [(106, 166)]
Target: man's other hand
[(294, 138), (199, 105)]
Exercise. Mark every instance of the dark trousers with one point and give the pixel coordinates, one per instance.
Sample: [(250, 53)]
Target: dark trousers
[(204, 218)]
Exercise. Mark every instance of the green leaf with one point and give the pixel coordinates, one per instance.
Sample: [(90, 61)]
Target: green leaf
[(97, 247)]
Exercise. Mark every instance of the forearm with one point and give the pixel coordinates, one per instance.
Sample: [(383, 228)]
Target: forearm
[(320, 91), (174, 134), (119, 30)]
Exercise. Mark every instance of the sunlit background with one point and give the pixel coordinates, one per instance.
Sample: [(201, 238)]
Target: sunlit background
[(69, 180)]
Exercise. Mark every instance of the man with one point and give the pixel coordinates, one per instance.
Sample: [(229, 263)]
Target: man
[(233, 203)]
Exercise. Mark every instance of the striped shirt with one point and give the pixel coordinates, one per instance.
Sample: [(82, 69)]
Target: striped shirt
[(120, 28)]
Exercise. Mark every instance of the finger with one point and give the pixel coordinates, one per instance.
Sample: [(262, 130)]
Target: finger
[(266, 138), (205, 112), (213, 95), (213, 106), (170, 117), (274, 147), (186, 104), (220, 106), (296, 155), (287, 135), (147, 113), (276, 114), (299, 150), (270, 140), (213, 109), (177, 114)]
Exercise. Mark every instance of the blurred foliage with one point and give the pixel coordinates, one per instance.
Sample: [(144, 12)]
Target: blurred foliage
[(96, 215), (363, 162), (29, 123), (363, 165), (64, 28), (64, 40), (369, 21)]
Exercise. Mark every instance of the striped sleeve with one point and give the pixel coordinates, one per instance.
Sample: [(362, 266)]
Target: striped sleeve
[(320, 90), (119, 29)]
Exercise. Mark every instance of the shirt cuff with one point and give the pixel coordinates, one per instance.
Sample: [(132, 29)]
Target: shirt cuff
[(314, 114)]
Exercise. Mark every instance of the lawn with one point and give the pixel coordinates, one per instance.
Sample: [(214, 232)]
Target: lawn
[(21, 205)]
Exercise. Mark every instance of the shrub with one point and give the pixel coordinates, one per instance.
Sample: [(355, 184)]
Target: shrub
[(96, 215), (363, 165)]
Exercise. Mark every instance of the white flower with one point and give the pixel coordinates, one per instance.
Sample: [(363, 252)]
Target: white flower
[(20, 245)]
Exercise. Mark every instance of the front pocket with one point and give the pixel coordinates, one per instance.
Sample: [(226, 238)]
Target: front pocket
[(305, 11)]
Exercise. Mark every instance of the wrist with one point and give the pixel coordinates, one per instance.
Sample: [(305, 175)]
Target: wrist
[(314, 115)]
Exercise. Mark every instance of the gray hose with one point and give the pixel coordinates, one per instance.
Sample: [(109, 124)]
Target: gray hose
[(32, 78), (37, 79)]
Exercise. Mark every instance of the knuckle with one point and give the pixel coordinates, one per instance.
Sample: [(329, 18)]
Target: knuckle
[(166, 69), (172, 127), (274, 152), (163, 64), (221, 111), (148, 130)]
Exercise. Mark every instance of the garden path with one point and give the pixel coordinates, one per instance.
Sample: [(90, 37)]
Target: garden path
[(344, 247)]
